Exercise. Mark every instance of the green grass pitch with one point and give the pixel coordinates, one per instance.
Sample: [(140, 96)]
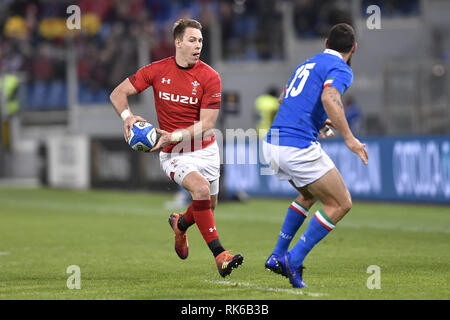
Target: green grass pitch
[(124, 247)]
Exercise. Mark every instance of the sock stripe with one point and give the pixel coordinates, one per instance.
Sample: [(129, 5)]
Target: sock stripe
[(324, 220), (298, 203), (299, 208)]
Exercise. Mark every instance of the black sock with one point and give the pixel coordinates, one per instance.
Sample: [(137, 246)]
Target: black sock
[(182, 224), (216, 247)]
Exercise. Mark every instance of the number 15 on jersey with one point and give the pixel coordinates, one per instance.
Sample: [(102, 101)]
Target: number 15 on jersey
[(302, 75)]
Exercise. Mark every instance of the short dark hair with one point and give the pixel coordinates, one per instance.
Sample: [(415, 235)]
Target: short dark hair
[(341, 37), (180, 26)]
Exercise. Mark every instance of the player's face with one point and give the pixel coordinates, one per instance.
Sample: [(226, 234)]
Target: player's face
[(190, 47)]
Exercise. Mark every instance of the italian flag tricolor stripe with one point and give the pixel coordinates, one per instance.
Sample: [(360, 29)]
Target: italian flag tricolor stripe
[(328, 81), (298, 207), (324, 220)]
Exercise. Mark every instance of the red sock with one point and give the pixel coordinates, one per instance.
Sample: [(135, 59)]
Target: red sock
[(189, 215), (204, 219)]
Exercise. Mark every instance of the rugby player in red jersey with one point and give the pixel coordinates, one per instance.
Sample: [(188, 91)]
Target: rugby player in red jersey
[(187, 96)]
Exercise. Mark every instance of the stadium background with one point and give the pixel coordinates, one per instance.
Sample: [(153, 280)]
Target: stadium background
[(60, 131), (61, 80)]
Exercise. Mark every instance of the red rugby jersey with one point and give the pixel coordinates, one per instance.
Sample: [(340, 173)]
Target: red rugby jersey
[(180, 93)]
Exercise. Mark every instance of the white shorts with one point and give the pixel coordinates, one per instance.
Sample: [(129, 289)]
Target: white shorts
[(302, 166), (206, 161)]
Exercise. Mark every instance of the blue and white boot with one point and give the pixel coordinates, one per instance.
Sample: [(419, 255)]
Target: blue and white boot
[(288, 270)]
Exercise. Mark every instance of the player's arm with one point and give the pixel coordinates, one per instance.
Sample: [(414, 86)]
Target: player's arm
[(205, 126), (280, 97), (200, 129), (332, 103), (119, 100)]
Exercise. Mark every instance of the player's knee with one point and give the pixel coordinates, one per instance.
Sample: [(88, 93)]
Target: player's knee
[(201, 191), (346, 204), (308, 203)]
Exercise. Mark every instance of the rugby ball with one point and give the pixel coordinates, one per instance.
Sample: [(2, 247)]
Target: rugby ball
[(143, 137)]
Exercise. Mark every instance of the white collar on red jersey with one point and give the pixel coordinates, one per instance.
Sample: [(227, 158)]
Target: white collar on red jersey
[(333, 52)]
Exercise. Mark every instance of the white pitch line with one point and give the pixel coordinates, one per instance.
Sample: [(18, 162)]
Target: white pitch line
[(256, 287), (3, 253)]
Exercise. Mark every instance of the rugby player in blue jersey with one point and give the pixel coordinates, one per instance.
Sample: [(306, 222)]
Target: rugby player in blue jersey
[(312, 99)]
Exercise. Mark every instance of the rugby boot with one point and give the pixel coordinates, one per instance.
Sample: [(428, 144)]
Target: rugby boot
[(272, 265), (288, 270), (227, 262), (181, 243)]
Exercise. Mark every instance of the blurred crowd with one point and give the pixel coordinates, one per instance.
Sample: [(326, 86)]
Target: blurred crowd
[(314, 18), (393, 8), (34, 38), (35, 41)]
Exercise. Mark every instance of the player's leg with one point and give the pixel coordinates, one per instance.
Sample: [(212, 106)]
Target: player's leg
[(176, 167), (295, 215), (187, 218), (181, 222), (207, 163), (214, 202), (331, 191), (314, 172), (282, 160), (199, 187), (194, 172)]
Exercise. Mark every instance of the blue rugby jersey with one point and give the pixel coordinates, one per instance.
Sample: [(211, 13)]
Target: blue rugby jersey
[(301, 114)]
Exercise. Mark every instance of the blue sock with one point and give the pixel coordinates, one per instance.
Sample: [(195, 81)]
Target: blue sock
[(295, 216), (319, 226)]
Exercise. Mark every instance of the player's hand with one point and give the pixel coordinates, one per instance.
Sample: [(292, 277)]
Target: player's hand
[(329, 123), (358, 148), (326, 131), (163, 141), (129, 123)]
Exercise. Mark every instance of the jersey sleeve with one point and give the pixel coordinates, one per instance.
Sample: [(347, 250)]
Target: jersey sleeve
[(212, 93), (142, 79), (340, 78)]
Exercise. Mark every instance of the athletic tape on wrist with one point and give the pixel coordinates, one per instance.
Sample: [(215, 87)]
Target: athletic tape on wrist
[(125, 114), (176, 136)]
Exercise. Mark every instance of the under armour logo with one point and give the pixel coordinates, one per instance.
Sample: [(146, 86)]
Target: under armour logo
[(164, 80)]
